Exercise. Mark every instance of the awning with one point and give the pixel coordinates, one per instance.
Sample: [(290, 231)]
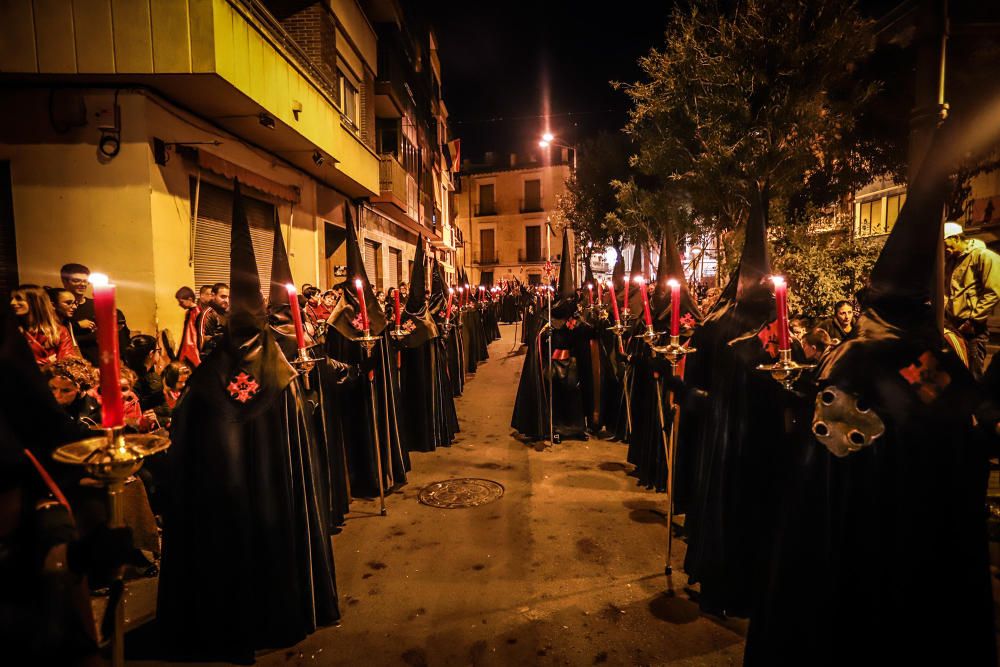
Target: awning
[(218, 165)]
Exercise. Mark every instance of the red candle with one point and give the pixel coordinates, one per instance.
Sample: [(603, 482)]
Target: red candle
[(600, 297), (399, 313), (614, 304), (675, 307), (293, 305), (447, 310), (645, 301), (781, 305), (364, 307), (461, 296), (106, 319), (590, 294), (628, 279)]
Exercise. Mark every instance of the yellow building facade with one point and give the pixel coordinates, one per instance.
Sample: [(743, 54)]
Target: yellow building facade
[(503, 212)]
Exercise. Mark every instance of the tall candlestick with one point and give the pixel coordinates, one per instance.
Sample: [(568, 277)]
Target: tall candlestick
[(398, 311), (590, 294), (293, 305), (645, 301), (461, 296), (628, 279), (675, 307), (364, 307), (600, 297), (106, 319), (781, 306), (614, 304), (447, 310)]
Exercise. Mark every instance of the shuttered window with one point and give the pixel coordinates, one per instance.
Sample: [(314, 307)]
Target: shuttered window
[(395, 264), (211, 247), (373, 263)]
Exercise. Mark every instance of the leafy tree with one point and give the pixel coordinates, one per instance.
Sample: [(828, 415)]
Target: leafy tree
[(751, 96)]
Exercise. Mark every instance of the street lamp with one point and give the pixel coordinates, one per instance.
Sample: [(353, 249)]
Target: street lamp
[(549, 139)]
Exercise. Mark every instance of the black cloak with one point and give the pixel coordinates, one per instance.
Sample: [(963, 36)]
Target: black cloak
[(247, 561), (881, 553)]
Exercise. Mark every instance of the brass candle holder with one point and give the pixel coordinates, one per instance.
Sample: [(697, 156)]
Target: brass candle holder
[(650, 335), (111, 459), (303, 363), (368, 342), (786, 370), (398, 333), (674, 352)]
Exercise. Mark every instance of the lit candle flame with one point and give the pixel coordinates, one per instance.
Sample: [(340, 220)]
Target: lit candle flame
[(99, 279), (358, 283), (777, 280), (673, 283)]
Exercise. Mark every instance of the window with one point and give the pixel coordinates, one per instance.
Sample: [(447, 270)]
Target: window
[(868, 220), (893, 205), (395, 267), (533, 243), (534, 279), (487, 250), (487, 203), (349, 101), (532, 196), (387, 136), (486, 278)]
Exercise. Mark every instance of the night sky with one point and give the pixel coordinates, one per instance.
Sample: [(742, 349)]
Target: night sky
[(499, 59)]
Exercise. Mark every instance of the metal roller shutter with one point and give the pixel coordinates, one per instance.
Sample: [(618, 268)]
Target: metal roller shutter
[(211, 247), (393, 278), (372, 264)]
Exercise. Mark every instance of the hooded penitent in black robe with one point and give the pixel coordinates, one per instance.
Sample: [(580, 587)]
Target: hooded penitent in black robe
[(424, 402), (737, 441), (631, 341), (651, 422), (881, 553), (379, 375), (247, 561), (570, 344), (318, 388), (445, 387)]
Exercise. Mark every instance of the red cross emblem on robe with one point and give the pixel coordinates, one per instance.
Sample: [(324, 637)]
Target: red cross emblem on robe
[(926, 378), (243, 387)]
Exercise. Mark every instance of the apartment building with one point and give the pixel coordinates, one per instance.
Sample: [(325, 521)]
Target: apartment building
[(124, 124), (502, 211)]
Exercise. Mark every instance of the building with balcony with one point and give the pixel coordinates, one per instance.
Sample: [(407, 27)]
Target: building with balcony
[(503, 210), (124, 124)]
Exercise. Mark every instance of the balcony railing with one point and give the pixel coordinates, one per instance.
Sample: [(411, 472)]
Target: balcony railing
[(486, 258), (486, 209), (530, 255), (530, 205), (392, 177)]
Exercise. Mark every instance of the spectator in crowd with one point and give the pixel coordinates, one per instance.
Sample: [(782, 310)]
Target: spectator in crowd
[(70, 381), (973, 288), (75, 279), (64, 303), (212, 320), (173, 378), (840, 326), (711, 296), (189, 352), (797, 327), (816, 343), (142, 356), (49, 341), (205, 297), (404, 290)]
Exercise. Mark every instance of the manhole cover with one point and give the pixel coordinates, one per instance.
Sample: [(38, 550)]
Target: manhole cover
[(465, 492)]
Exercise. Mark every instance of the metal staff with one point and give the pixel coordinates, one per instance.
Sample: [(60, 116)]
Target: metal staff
[(368, 343), (674, 353)]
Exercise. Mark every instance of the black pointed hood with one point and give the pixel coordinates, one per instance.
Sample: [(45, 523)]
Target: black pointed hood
[(588, 274), (439, 289), (567, 285), (634, 295), (281, 276), (345, 317), (902, 286), (618, 273), (416, 301), (670, 267), (245, 375), (565, 298)]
